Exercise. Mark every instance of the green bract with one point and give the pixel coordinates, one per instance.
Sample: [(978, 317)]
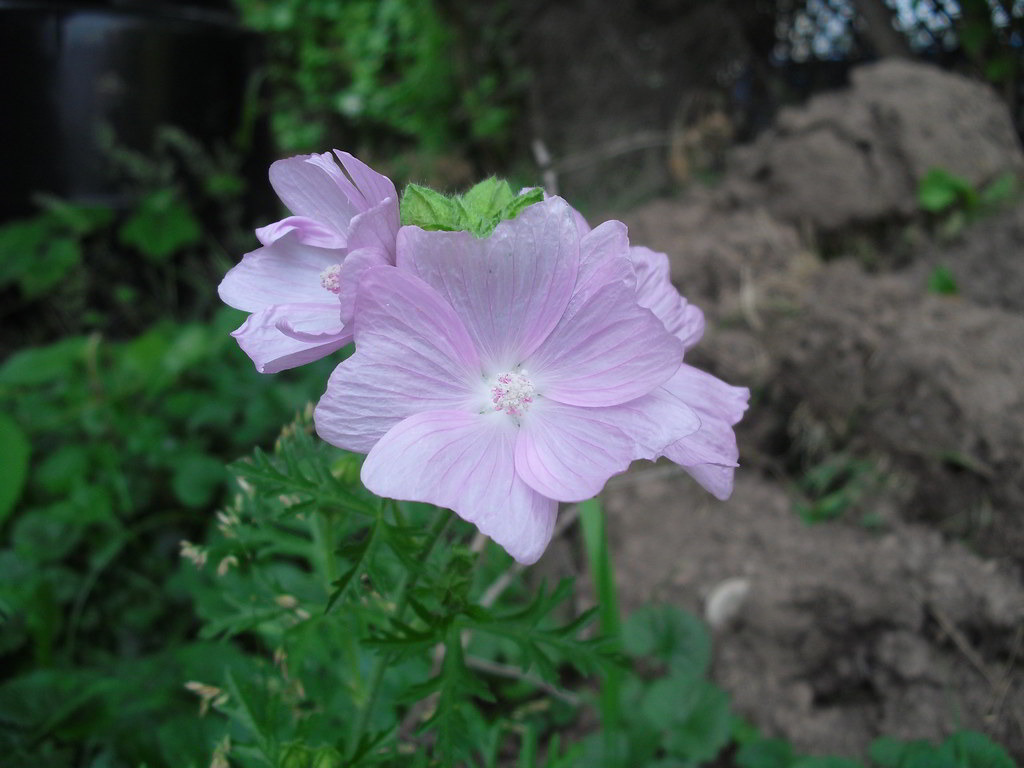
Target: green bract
[(478, 211)]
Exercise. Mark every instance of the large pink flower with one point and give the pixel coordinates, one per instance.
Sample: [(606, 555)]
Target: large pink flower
[(300, 285), (498, 376)]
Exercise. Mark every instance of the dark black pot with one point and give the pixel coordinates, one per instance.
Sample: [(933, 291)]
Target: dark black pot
[(132, 65)]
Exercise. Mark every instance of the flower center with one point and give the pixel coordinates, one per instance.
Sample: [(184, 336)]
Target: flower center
[(330, 278), (512, 393)]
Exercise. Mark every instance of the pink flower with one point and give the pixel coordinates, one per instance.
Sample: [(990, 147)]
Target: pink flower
[(300, 285), (499, 376)]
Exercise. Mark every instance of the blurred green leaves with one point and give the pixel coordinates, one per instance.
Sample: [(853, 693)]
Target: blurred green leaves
[(162, 224)]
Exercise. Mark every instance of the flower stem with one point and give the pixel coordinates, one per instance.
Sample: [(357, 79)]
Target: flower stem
[(405, 587)]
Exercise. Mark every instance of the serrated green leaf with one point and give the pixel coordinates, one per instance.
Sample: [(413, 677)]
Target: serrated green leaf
[(668, 702), (424, 208), (488, 198), (15, 449)]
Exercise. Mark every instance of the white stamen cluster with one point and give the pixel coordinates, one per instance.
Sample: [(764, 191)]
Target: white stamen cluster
[(330, 278), (512, 393)]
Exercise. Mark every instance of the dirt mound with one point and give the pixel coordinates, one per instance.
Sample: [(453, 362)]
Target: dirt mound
[(855, 156), (986, 261), (845, 634), (929, 380)]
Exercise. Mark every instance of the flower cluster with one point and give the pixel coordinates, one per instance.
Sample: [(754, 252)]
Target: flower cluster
[(495, 375)]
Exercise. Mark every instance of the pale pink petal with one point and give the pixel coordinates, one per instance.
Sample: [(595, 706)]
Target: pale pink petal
[(284, 272), (608, 351), (311, 186), (655, 291), (412, 354), (653, 421), (464, 461), (510, 288), (352, 269), (367, 187), (376, 228), (568, 453), (309, 322), (708, 394), (714, 478), (604, 258), (710, 453), (273, 350), (309, 232)]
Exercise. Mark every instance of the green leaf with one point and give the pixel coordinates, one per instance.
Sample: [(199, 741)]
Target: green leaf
[(668, 702), (488, 198), (58, 257), (196, 479), (939, 189), (976, 750), (162, 225), (424, 208), (706, 731), (941, 281), (15, 448), (765, 753), (829, 762), (999, 190), (39, 365), (677, 637)]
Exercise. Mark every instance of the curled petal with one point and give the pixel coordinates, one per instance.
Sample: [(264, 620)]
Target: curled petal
[(272, 349), (464, 461), (308, 232), (284, 272)]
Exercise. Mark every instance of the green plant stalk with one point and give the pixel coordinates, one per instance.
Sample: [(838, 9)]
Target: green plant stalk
[(382, 662), (595, 540)]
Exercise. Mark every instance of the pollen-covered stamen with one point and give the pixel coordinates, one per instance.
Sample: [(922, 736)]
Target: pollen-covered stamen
[(512, 393), (330, 278)]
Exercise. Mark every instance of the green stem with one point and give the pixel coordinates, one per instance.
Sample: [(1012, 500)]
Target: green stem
[(323, 531), (405, 587), (595, 539)]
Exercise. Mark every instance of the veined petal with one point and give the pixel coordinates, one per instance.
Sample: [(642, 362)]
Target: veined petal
[(655, 291), (412, 354), (308, 232), (352, 270), (510, 288), (653, 422), (607, 351), (604, 258), (710, 453), (568, 453), (376, 228), (284, 272), (708, 395), (272, 350), (367, 187), (314, 186), (464, 461)]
